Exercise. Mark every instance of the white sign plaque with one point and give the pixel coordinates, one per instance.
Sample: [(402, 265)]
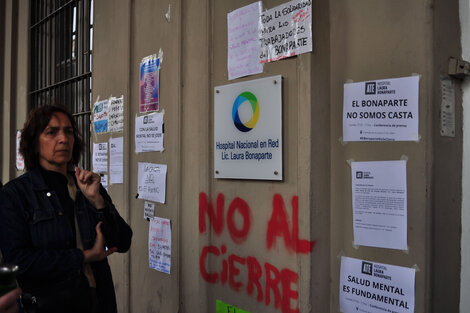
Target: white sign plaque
[(381, 110), (248, 129)]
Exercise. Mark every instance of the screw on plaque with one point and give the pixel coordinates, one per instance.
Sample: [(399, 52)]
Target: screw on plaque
[(217, 172), (275, 82), (217, 91), (275, 173)]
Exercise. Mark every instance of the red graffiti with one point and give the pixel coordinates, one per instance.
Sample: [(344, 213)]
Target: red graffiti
[(240, 205), (278, 226), (277, 288), (217, 219), (277, 282)]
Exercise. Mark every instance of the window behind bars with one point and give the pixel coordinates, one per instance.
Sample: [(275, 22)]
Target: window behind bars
[(61, 38)]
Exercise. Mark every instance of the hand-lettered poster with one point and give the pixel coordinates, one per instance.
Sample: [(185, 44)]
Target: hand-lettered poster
[(160, 244), (285, 31), (243, 46)]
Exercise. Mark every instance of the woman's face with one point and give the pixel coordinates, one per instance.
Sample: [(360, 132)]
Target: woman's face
[(56, 143)]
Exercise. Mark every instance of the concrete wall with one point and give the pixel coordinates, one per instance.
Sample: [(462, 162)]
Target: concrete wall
[(14, 19), (353, 40), (465, 242)]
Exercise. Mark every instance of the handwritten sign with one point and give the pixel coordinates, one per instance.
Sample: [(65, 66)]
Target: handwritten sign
[(151, 180), (116, 114), (286, 30), (160, 244), (243, 47)]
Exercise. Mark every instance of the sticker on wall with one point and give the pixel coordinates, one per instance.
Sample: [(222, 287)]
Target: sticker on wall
[(100, 116), (149, 84), (160, 244), (371, 287), (222, 307), (381, 110), (149, 133), (248, 129), (379, 204), (243, 46), (285, 31), (100, 157), (19, 156), (151, 182)]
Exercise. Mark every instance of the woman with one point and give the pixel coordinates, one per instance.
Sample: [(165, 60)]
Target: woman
[(58, 225)]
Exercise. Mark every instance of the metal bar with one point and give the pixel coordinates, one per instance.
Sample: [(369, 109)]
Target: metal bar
[(61, 83), (50, 50), (82, 34), (69, 42), (75, 8), (55, 12), (81, 113)]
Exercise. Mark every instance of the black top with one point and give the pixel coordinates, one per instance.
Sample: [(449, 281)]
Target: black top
[(59, 183)]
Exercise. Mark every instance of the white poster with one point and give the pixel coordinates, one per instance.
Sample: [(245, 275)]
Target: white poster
[(370, 287), (160, 244), (149, 209), (381, 110), (116, 160), (149, 133), (379, 204), (248, 129), (151, 180), (100, 157), (116, 114), (100, 116), (104, 181), (285, 31), (19, 156), (243, 46)]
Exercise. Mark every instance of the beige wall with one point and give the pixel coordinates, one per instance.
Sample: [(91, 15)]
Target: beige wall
[(14, 17), (353, 40)]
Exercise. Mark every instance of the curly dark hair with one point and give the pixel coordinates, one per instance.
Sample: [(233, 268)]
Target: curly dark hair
[(38, 120)]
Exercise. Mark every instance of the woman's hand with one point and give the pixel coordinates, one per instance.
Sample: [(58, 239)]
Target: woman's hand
[(98, 252), (8, 302), (89, 184)]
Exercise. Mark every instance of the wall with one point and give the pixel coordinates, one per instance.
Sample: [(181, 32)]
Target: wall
[(353, 40), (465, 224), (13, 80)]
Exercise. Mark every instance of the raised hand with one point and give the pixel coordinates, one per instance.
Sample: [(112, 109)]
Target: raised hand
[(89, 184)]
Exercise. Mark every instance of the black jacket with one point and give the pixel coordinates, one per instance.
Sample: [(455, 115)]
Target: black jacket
[(36, 235)]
